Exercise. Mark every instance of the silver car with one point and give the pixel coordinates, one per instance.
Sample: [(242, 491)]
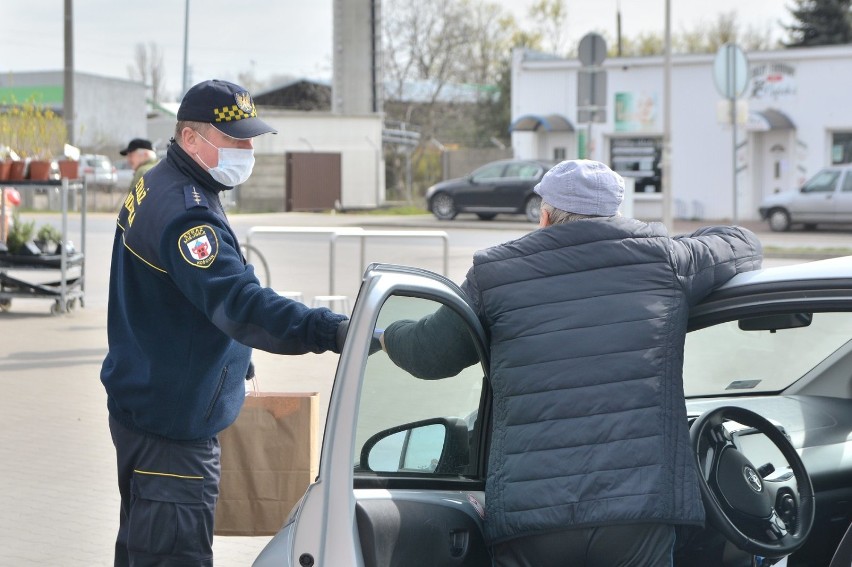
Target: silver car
[(768, 385), (98, 170), (824, 198)]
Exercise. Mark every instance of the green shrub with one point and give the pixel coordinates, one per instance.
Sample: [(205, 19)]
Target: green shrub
[(19, 234)]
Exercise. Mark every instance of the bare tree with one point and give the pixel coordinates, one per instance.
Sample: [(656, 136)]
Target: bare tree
[(702, 38), (427, 51), (551, 16), (646, 43), (148, 67), (248, 79)]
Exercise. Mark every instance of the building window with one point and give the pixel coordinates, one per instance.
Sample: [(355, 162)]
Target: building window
[(841, 147), (638, 158), (559, 154)]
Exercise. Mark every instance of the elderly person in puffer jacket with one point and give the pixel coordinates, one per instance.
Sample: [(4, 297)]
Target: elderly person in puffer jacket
[(590, 458)]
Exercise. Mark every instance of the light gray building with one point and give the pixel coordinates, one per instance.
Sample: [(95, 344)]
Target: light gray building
[(108, 112)]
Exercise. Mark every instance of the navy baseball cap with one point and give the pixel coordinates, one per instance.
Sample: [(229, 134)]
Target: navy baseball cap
[(228, 107), (582, 186), (135, 144)]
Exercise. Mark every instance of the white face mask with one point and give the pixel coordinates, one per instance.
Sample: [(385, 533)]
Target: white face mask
[(235, 165)]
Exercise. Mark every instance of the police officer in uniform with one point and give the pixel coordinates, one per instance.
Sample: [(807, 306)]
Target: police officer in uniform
[(184, 313)]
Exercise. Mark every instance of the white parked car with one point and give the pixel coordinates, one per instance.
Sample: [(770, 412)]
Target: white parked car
[(97, 170), (768, 385), (824, 198)]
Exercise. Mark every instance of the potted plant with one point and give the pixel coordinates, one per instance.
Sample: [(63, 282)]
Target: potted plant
[(19, 240), (46, 236), (37, 133), (70, 166), (5, 135)]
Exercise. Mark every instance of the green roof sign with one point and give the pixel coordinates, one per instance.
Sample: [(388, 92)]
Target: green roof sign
[(47, 95)]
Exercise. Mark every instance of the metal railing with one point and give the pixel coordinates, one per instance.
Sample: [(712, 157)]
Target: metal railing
[(337, 232)]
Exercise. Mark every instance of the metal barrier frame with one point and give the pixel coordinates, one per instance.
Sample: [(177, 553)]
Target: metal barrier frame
[(336, 232), (365, 234)]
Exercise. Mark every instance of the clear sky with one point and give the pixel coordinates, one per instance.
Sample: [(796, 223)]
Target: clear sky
[(279, 37)]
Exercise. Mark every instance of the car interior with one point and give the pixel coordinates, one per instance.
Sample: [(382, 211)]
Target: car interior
[(768, 389)]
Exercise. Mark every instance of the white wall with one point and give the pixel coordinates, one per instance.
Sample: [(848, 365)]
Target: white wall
[(110, 113), (357, 138)]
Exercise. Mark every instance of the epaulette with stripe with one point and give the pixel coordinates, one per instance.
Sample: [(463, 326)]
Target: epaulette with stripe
[(194, 197)]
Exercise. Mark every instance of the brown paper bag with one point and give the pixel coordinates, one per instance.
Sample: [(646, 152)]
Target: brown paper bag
[(269, 456)]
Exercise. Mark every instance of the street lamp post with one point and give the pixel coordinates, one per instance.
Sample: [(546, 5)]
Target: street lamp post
[(666, 185), (68, 74), (185, 50)]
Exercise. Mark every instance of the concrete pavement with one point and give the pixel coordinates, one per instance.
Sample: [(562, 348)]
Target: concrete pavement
[(57, 464)]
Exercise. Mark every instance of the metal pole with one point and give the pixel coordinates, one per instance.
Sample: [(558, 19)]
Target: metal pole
[(666, 185), (589, 137), (732, 79), (84, 204), (63, 252), (68, 76), (4, 219), (409, 190), (185, 50), (618, 26)]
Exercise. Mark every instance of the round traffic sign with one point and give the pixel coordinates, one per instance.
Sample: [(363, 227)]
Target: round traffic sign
[(592, 49), (730, 71)]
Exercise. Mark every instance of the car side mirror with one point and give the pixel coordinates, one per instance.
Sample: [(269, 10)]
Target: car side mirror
[(433, 446)]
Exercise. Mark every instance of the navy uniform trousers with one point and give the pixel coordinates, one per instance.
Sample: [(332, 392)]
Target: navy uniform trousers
[(168, 499)]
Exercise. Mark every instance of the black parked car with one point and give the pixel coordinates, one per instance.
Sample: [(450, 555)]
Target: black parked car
[(504, 186)]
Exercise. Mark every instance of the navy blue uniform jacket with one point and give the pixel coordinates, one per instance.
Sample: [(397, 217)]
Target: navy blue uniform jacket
[(185, 310)]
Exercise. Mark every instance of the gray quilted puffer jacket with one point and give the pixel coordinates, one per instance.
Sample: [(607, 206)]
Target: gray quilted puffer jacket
[(587, 322)]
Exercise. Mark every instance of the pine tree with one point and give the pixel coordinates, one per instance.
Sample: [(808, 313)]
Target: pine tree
[(820, 22)]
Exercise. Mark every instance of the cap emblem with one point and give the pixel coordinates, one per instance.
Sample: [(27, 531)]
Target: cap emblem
[(244, 102)]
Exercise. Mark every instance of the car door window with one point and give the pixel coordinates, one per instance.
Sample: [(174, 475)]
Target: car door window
[(408, 425), (847, 182), (822, 182), (522, 170), (492, 171)]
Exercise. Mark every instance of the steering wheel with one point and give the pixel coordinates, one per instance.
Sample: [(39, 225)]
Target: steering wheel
[(738, 502)]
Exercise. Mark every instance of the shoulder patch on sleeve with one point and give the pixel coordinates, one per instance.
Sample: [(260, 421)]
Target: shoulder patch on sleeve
[(194, 197), (199, 246)]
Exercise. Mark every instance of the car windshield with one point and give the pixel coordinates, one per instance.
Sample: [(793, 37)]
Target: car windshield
[(725, 360)]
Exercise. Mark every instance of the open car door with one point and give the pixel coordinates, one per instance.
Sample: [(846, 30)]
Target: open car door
[(402, 469)]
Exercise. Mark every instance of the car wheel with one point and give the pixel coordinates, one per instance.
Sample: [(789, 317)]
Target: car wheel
[(779, 220), (533, 208), (443, 207), (486, 216)]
